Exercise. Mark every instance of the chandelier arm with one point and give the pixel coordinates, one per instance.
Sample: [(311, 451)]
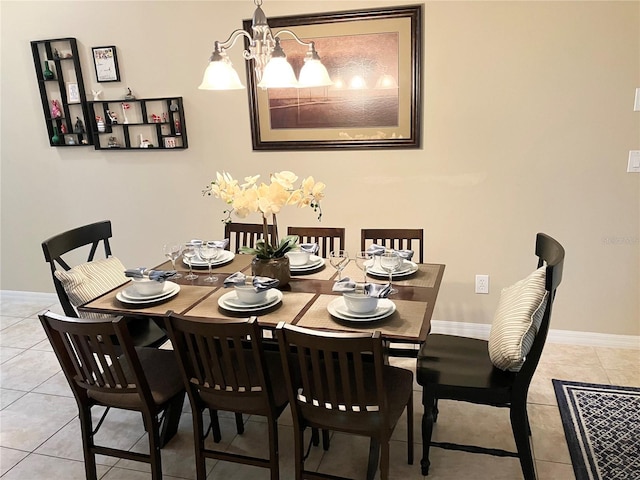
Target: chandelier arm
[(295, 37), (231, 41)]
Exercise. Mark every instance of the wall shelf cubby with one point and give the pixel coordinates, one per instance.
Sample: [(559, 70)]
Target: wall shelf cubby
[(139, 124), (60, 79)]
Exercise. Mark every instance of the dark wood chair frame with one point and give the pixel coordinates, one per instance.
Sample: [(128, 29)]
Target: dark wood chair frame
[(101, 372), (327, 238), (340, 382), (396, 238), (224, 367), (459, 368), (244, 234), (145, 332)]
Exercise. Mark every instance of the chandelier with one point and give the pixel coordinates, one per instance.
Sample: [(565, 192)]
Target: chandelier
[(271, 67)]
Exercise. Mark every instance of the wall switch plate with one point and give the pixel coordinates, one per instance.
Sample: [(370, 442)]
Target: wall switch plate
[(636, 105), (482, 283), (634, 161)]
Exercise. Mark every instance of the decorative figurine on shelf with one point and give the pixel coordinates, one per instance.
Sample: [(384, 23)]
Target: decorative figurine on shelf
[(177, 123), (145, 143), (47, 74), (112, 118), (173, 107), (165, 117), (70, 140), (79, 126), (113, 143), (56, 112), (63, 129), (129, 95), (55, 139), (155, 118), (96, 95), (125, 107), (100, 125), (56, 55)]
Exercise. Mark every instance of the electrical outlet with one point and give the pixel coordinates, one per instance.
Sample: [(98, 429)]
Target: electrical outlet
[(482, 283)]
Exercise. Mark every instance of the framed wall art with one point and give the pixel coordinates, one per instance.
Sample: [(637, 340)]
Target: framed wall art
[(105, 61), (374, 59)]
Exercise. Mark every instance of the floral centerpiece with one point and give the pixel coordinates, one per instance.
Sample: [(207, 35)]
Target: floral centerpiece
[(267, 200)]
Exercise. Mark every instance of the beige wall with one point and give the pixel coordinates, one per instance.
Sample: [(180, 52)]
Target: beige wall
[(527, 126)]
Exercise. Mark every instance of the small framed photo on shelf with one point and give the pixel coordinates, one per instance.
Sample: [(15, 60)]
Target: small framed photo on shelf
[(169, 142), (73, 93), (106, 63)]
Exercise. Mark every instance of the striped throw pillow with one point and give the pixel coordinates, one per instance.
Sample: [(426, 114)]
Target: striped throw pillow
[(517, 320), (89, 280)]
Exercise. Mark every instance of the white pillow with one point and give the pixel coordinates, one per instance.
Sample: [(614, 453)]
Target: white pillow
[(517, 320), (89, 280)]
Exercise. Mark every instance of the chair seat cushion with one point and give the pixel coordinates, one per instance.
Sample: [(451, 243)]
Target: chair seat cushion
[(517, 320), (89, 280)]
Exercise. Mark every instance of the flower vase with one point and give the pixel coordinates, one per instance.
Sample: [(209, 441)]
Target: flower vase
[(55, 139), (47, 73), (273, 267)]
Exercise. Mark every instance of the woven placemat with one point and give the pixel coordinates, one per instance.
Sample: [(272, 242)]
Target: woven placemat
[(326, 273), (424, 277)]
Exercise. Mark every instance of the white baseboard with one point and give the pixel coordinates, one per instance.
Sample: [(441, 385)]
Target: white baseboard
[(465, 329)]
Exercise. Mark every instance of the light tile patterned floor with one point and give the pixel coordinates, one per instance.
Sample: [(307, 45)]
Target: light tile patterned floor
[(39, 430)]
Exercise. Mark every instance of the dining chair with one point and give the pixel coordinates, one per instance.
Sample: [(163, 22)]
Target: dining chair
[(84, 282), (339, 382), (327, 238), (396, 238), (224, 367), (460, 368), (244, 234), (122, 376)]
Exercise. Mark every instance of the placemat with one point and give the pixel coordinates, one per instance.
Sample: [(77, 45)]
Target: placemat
[(292, 304), (325, 274), (424, 277), (406, 321)]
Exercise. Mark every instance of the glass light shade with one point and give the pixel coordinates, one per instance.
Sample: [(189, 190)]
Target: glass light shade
[(386, 81), (314, 74), (357, 83), (220, 75), (278, 73)]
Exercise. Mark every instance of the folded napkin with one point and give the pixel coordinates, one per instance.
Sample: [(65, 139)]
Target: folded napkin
[(312, 248), (222, 244), (259, 283), (380, 249), (371, 289), (142, 272)]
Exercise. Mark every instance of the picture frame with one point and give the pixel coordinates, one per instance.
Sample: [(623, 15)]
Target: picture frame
[(73, 92), (373, 44), (105, 61)]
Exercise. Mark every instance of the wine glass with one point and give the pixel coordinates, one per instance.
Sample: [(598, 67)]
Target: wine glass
[(208, 251), (339, 260), (362, 261), (390, 262), (172, 251), (190, 251)]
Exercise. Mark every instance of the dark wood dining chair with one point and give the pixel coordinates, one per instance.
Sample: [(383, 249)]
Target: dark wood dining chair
[(88, 241), (224, 367), (339, 382), (101, 373), (460, 368), (327, 238), (396, 238), (244, 234)]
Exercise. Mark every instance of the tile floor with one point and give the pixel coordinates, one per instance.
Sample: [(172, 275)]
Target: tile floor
[(39, 431)]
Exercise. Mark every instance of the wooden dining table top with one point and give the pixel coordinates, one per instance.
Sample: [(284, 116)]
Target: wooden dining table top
[(304, 303)]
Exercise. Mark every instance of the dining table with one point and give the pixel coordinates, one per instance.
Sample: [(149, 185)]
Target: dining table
[(306, 301)]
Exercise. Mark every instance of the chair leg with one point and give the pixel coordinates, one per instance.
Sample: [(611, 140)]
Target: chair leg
[(384, 460), (325, 440), (298, 442), (87, 443), (520, 425), (171, 419), (154, 448), (315, 437), (274, 457), (215, 425), (428, 399), (198, 438), (374, 457), (239, 424), (410, 429)]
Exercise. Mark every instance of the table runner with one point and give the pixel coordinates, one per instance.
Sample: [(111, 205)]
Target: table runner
[(406, 321)]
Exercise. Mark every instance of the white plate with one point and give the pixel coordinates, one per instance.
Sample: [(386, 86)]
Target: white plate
[(338, 309), (167, 296), (130, 293), (229, 301), (408, 268), (225, 256), (313, 263)]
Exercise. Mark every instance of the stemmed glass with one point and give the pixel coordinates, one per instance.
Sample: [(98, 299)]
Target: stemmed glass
[(208, 251), (172, 251), (339, 259), (190, 251), (362, 261), (390, 262)]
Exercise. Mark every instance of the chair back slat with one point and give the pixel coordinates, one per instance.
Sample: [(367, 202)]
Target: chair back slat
[(244, 234), (327, 238), (395, 238)]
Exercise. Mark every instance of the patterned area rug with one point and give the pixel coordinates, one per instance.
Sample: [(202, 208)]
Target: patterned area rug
[(602, 427)]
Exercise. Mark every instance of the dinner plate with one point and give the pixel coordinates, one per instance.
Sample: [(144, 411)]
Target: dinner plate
[(313, 263), (131, 294), (225, 256), (338, 309), (172, 293), (408, 268), (229, 301)]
